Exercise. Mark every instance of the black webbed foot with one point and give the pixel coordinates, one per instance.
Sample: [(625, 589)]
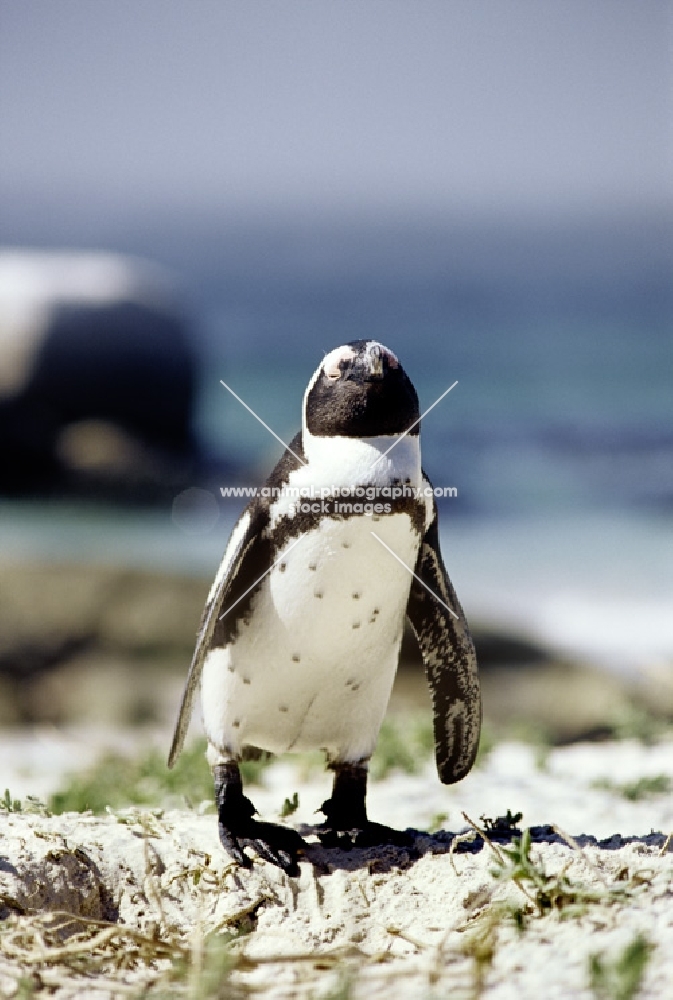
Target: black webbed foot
[(374, 834), (277, 844), (237, 828), (365, 835), (347, 825)]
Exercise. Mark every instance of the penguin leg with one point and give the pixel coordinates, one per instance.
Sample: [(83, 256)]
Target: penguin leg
[(347, 824), (237, 828)]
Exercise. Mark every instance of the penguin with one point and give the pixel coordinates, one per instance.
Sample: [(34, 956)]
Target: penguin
[(300, 637)]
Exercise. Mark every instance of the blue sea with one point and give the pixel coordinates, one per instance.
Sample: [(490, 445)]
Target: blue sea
[(558, 437)]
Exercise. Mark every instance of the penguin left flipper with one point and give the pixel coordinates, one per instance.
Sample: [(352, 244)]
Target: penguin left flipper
[(449, 658)]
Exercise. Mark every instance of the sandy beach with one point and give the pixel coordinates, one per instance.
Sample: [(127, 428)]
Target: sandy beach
[(157, 909)]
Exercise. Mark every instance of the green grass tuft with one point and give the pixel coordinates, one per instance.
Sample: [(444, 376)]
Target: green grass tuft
[(546, 892), (404, 744), (252, 770), (118, 781), (641, 788), (437, 822), (8, 804), (622, 978), (290, 806)]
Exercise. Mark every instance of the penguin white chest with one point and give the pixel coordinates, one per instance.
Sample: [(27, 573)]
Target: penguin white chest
[(339, 582), (313, 664)]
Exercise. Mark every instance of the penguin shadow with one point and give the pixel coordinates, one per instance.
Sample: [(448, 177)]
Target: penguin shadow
[(550, 835), (376, 858), (384, 858)]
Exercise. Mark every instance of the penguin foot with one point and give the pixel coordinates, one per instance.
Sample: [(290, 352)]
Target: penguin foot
[(365, 835), (374, 834), (237, 828), (347, 825), (277, 844)]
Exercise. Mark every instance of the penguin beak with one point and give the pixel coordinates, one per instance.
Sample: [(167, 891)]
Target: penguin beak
[(375, 358)]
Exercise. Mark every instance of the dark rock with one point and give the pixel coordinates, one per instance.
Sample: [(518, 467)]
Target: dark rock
[(100, 378)]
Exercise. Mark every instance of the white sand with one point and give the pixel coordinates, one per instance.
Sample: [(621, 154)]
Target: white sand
[(391, 923)]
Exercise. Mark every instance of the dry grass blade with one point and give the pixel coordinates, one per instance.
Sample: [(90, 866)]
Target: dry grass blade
[(484, 836), (499, 855), (460, 838), (571, 842), (35, 940)]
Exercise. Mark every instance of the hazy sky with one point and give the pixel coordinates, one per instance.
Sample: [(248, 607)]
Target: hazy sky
[(472, 103)]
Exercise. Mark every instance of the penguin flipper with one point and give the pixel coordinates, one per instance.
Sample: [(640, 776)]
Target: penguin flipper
[(449, 658), (245, 562), (243, 546)]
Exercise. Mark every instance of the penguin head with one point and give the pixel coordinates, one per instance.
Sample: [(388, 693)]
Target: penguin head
[(360, 390)]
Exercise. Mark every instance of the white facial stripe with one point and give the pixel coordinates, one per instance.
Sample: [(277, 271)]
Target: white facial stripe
[(330, 366), (314, 378), (393, 361), (332, 361)]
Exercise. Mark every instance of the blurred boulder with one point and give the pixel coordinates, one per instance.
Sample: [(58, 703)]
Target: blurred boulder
[(83, 642), (97, 376)]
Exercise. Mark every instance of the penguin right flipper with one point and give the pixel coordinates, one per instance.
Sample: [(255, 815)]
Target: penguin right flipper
[(449, 658), (244, 544), (246, 560)]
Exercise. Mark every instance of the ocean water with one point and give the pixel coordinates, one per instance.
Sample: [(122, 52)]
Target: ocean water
[(561, 341), (522, 432), (593, 587), (558, 437)]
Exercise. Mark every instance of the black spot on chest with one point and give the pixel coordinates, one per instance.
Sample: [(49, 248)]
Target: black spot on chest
[(302, 522)]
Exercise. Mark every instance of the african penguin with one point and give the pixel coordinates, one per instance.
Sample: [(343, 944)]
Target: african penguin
[(300, 637)]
